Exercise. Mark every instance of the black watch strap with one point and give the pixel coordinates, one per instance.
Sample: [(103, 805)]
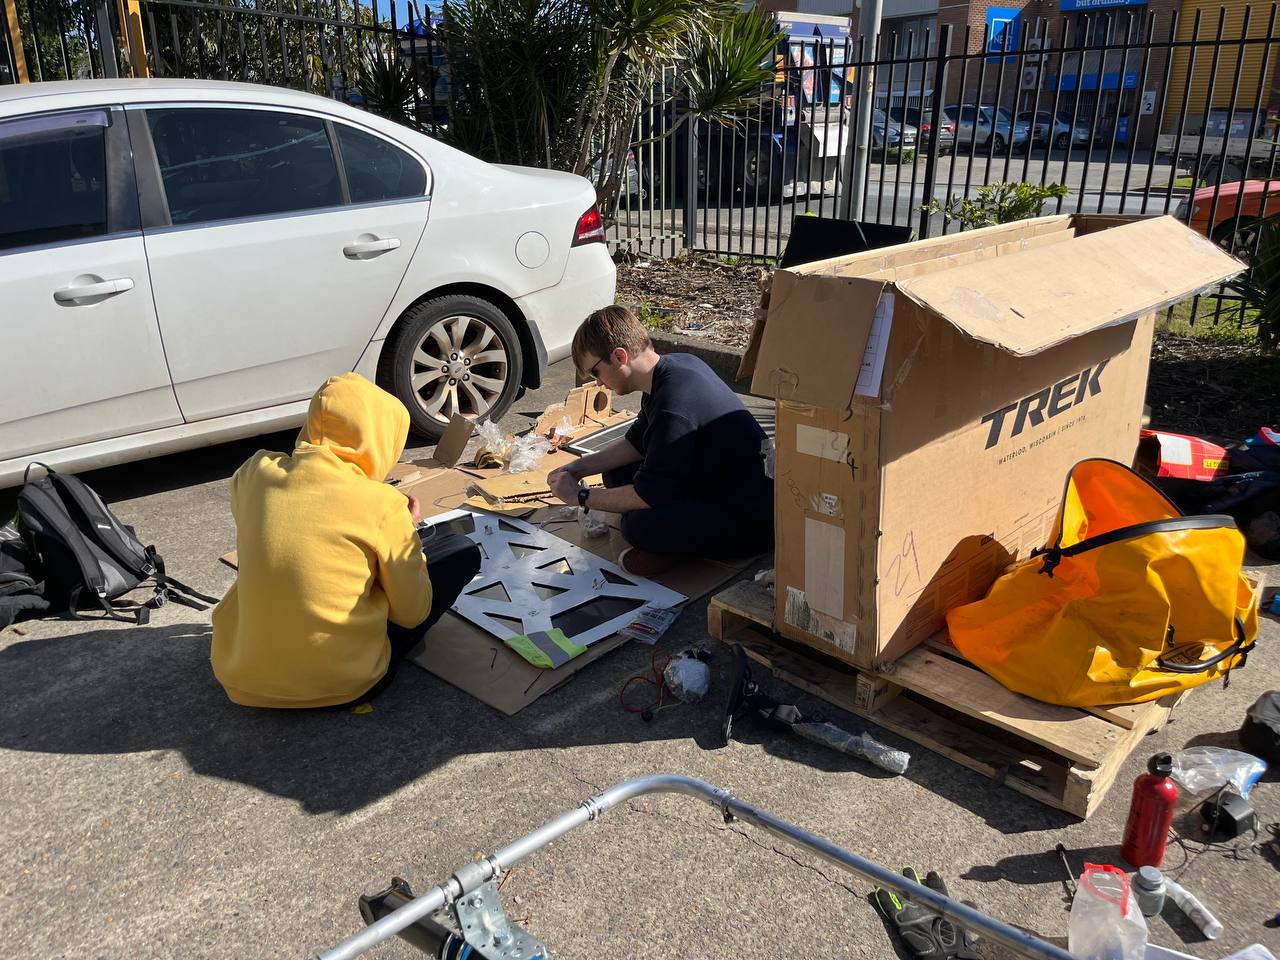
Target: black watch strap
[(583, 493)]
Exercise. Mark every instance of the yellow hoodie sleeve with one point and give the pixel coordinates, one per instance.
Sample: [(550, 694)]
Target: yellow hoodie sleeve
[(402, 569)]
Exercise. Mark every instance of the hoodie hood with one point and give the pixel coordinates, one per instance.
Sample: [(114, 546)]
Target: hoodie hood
[(359, 423)]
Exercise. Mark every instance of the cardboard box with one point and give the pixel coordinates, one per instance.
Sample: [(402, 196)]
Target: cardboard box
[(933, 396)]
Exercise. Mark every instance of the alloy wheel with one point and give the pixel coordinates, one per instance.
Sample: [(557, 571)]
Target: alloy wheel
[(459, 366)]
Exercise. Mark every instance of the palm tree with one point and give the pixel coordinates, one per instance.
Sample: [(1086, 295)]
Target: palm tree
[(561, 83)]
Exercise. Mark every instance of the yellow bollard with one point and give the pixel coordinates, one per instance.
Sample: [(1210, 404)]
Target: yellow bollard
[(15, 40)]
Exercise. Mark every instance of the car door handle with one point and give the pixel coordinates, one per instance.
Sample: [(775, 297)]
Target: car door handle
[(361, 248), (87, 291)]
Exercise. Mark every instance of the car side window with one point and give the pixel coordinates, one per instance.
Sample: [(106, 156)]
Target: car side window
[(221, 164), (53, 178), (377, 170)]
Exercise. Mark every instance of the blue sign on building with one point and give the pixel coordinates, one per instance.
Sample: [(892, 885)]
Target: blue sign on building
[(1002, 30), (1084, 6), (1111, 80)]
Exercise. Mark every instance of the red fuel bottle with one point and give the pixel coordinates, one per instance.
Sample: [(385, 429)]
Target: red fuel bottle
[(1150, 813)]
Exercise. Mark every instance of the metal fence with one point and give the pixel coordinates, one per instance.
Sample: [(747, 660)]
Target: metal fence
[(1128, 109), (329, 47), (1130, 112)]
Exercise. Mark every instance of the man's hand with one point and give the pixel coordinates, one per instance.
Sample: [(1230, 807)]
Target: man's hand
[(567, 470), (564, 486), (415, 508)]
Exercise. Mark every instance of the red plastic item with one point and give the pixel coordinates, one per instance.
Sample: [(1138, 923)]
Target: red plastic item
[(1150, 813), (1185, 457)]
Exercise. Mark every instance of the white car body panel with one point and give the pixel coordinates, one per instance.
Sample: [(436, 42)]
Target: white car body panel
[(79, 371), (251, 315)]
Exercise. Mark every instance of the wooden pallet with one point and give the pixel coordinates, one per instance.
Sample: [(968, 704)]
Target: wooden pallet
[(1065, 757)]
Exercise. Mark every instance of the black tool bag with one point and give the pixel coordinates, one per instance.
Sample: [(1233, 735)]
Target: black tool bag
[(85, 557), (21, 595)]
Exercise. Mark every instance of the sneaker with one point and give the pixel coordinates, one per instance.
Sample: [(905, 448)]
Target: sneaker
[(642, 563)]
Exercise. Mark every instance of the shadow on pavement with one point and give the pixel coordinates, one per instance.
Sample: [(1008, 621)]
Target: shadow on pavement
[(113, 690)]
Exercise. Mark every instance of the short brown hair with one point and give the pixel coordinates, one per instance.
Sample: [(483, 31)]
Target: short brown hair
[(606, 330)]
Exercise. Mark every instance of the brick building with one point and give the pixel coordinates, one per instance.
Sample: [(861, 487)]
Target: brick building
[(1151, 90)]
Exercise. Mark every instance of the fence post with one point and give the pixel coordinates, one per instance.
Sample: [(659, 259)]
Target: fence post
[(15, 41), (108, 48), (691, 179), (935, 124)]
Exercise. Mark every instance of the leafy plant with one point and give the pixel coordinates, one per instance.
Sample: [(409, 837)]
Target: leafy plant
[(388, 86), (1261, 286), (998, 203), (561, 83)]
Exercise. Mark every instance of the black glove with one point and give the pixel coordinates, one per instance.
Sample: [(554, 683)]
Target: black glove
[(928, 935)]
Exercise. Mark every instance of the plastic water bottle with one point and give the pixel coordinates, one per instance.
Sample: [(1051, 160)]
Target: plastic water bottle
[(1197, 912)]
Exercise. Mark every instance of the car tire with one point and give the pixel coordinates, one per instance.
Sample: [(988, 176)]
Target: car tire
[(999, 146), (1061, 142), (1238, 241), (757, 185), (453, 354)]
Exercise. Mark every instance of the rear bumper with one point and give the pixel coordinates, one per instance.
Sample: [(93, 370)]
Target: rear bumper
[(589, 283)]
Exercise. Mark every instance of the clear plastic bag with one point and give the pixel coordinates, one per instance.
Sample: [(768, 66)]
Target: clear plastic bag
[(1106, 923), (856, 745), (687, 678), (562, 433), (494, 441), (526, 452), (1198, 770), (592, 524)]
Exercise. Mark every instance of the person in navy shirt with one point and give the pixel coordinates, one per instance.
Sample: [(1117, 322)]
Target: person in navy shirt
[(688, 477)]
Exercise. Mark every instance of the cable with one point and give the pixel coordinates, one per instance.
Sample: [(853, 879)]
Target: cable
[(657, 678)]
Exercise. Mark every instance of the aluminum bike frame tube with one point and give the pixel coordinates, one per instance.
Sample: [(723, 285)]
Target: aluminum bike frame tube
[(472, 875)]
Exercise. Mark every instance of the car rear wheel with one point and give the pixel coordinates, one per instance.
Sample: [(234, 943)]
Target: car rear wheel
[(453, 354), (1061, 142), (759, 182), (1239, 241), (1000, 145)]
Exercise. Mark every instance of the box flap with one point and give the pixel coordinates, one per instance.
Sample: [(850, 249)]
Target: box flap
[(816, 335), (1032, 300)]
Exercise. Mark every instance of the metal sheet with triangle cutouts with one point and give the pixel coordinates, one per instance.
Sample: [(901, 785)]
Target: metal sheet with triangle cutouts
[(532, 580)]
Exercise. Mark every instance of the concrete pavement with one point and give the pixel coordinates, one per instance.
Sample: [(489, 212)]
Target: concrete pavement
[(143, 815)]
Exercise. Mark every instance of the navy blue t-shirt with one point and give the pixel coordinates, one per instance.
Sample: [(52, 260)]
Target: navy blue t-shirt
[(698, 441)]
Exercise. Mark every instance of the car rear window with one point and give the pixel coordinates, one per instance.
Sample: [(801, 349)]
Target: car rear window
[(378, 170), (53, 173)]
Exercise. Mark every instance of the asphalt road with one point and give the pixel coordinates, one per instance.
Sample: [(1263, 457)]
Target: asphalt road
[(144, 816)]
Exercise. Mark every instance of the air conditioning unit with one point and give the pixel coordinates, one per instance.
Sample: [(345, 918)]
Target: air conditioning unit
[(1029, 78), (1033, 48)]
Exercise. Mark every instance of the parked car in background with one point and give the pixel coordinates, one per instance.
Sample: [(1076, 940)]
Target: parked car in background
[(190, 260), (985, 126), (634, 191), (1252, 200), (888, 135), (1055, 130), (922, 121)]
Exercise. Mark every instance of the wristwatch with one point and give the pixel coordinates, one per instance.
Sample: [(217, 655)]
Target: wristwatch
[(583, 493)]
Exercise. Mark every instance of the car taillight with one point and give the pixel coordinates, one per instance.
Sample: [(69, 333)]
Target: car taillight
[(590, 228)]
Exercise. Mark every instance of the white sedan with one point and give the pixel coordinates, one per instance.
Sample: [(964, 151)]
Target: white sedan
[(184, 262)]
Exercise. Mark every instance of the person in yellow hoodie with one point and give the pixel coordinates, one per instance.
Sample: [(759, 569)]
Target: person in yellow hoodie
[(333, 588)]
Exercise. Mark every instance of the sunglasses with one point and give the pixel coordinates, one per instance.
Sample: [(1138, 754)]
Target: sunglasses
[(591, 371)]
